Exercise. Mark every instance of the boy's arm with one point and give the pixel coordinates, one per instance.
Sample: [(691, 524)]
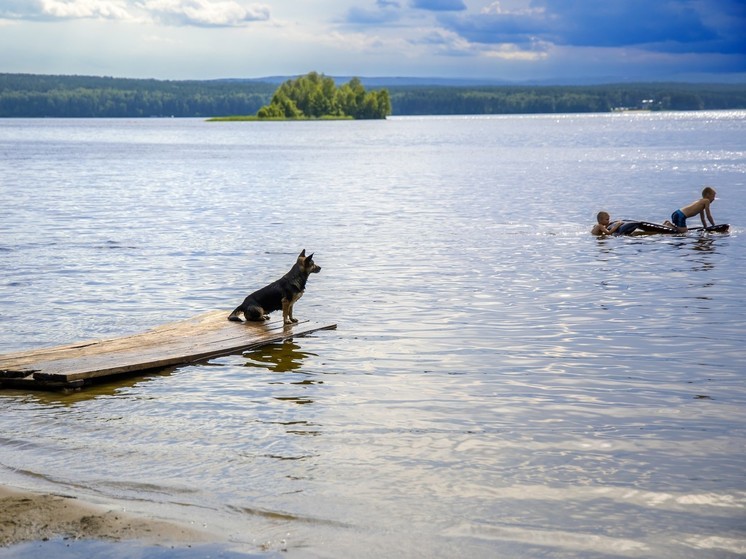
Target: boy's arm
[(709, 215), (702, 217), (599, 230)]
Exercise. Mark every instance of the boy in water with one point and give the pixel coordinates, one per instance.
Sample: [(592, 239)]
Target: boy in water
[(602, 227), (701, 207)]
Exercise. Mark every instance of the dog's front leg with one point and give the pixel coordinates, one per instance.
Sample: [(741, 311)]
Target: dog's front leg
[(287, 312)]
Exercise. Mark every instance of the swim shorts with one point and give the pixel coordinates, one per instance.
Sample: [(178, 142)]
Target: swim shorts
[(678, 218)]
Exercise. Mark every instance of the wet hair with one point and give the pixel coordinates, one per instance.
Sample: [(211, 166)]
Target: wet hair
[(707, 191), (601, 215)]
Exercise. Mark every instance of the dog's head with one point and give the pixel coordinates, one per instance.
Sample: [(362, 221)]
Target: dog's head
[(306, 263)]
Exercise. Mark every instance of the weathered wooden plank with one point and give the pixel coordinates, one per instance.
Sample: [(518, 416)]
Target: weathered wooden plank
[(186, 341)]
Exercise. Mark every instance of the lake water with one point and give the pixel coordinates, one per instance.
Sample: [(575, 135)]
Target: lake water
[(500, 384)]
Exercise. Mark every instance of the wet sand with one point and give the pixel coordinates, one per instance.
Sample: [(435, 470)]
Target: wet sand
[(37, 517)]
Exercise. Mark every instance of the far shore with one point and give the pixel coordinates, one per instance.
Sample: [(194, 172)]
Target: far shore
[(253, 118)]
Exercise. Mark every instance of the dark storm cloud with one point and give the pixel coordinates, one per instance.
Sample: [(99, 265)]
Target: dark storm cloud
[(665, 26), (624, 23)]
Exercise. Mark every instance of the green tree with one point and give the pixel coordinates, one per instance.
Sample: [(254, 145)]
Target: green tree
[(316, 96), (281, 106)]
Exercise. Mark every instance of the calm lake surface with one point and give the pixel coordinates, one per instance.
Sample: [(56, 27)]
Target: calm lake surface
[(500, 384)]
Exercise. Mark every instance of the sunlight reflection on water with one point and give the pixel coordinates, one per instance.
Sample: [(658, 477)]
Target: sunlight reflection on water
[(499, 382)]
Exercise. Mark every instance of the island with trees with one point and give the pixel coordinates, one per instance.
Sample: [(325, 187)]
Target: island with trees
[(315, 96)]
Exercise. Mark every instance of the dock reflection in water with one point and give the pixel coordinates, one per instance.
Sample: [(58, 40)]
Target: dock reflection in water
[(279, 357)]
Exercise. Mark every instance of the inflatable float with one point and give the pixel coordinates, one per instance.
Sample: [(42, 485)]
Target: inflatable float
[(630, 227)]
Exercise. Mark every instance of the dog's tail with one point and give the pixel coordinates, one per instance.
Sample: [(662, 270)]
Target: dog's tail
[(234, 315)]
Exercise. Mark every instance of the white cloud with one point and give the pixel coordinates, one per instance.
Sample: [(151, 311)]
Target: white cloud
[(107, 9), (64, 9), (511, 52), (449, 43), (199, 13), (516, 7), (204, 13)]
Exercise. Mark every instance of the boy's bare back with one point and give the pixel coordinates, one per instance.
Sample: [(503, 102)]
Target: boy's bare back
[(696, 207)]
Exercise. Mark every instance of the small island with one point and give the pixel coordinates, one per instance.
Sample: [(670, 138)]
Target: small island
[(316, 97)]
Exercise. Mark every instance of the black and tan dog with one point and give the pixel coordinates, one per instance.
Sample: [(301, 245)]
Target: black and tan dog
[(280, 294)]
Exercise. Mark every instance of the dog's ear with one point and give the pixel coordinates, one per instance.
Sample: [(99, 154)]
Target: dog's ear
[(302, 254), (310, 256)]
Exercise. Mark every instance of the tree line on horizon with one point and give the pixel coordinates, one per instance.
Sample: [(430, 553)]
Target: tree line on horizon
[(567, 99), (27, 95)]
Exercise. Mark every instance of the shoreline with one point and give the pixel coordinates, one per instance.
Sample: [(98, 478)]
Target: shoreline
[(28, 516)]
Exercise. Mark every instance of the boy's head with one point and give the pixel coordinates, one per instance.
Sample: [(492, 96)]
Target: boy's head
[(709, 193), (603, 218)]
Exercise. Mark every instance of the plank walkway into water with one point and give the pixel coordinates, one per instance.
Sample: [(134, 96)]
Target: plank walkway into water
[(186, 341)]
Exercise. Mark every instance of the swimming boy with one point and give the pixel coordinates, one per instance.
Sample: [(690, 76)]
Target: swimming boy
[(602, 227), (701, 207)]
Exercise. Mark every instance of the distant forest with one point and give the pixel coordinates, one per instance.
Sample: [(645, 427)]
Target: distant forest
[(26, 95), (567, 99)]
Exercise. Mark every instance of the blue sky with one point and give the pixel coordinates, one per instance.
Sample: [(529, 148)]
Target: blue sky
[(512, 40)]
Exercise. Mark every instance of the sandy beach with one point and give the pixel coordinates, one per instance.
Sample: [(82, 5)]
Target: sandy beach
[(27, 516)]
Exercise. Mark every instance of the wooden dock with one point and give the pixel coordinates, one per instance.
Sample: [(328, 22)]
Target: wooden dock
[(187, 341)]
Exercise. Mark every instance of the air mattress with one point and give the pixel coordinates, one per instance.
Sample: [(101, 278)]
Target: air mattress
[(630, 227)]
